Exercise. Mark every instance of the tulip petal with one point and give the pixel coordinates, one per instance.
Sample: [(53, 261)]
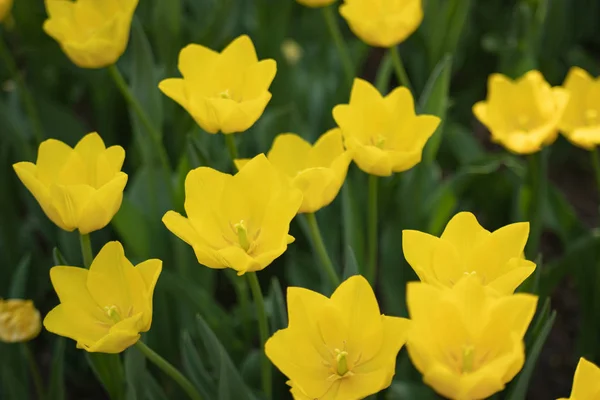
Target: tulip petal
[(76, 323), (326, 149), (586, 382), (289, 153), (70, 286), (149, 270), (464, 232), (516, 274), (195, 61), (121, 336), (315, 184), (418, 248), (258, 78), (175, 89), (578, 83), (51, 160)]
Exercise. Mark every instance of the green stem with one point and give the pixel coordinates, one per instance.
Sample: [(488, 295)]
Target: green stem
[(538, 180), (399, 68), (372, 230), (263, 328), (155, 135), (35, 372), (169, 369), (340, 44), (26, 97), (321, 249), (86, 249), (596, 165), (232, 148)]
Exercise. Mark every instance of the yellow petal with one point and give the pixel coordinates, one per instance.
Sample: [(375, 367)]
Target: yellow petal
[(71, 321), (121, 336), (70, 201), (241, 162), (258, 79), (517, 270), (315, 183), (149, 270), (578, 83), (395, 333), (109, 164), (326, 149), (240, 51), (196, 61), (289, 153), (90, 146), (233, 117), (52, 156), (587, 138), (586, 383), (175, 89), (364, 94), (464, 232), (103, 205), (236, 258), (418, 248), (372, 160)]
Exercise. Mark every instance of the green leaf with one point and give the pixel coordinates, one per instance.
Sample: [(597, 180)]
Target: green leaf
[(135, 374), (130, 223), (56, 389), (351, 265), (434, 100), (58, 257), (231, 384), (195, 368), (519, 387), (279, 319), (109, 371), (410, 391), (18, 284)]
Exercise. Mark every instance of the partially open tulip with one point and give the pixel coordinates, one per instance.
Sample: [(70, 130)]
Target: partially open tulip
[(586, 383), (80, 188), (338, 348), (467, 341), (522, 115), (92, 33), (225, 91), (318, 171), (383, 133), (241, 221), (382, 23), (580, 122), (466, 248), (316, 3), (19, 320), (106, 307), (5, 7)]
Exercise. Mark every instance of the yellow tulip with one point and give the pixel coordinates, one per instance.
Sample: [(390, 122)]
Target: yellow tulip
[(92, 33), (105, 308), (382, 23), (5, 7), (316, 3), (239, 222), (226, 91), (466, 248), (19, 321), (338, 348), (384, 133), (580, 122), (586, 383), (80, 188), (522, 115), (467, 341), (318, 171)]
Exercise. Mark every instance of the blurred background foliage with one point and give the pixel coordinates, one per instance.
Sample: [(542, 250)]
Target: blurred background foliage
[(203, 321)]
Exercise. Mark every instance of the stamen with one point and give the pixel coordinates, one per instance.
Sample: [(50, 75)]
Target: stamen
[(468, 359), (113, 313), (342, 362), (242, 232)]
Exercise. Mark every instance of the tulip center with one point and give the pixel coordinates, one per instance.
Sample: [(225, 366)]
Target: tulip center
[(225, 94), (468, 357), (242, 233), (378, 141), (113, 313), (341, 360), (523, 121), (591, 116)]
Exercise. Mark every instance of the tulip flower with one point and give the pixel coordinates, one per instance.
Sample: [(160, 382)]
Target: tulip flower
[(467, 341), (466, 248), (318, 171), (586, 383), (241, 221), (19, 321), (5, 7), (580, 122), (338, 348), (384, 133), (93, 34), (316, 3), (105, 308), (522, 115), (225, 91), (80, 188), (382, 23)]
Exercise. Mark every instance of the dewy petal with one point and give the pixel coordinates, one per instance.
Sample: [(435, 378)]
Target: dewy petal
[(289, 153)]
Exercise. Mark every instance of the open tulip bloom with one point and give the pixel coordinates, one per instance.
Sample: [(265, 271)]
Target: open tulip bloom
[(80, 188), (338, 348), (586, 383), (226, 91), (383, 133), (241, 221), (467, 341), (105, 308), (92, 33), (318, 171), (466, 248), (522, 115)]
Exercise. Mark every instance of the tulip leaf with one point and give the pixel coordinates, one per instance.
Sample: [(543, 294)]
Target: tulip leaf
[(351, 265), (58, 257), (109, 371), (130, 223), (520, 385), (434, 100), (18, 282), (279, 319), (195, 368), (410, 391), (135, 373), (56, 390), (231, 384)]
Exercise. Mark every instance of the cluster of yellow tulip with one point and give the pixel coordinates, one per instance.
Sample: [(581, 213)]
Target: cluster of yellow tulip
[(466, 327)]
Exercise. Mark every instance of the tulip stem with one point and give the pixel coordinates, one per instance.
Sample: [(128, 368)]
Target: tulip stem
[(155, 135), (232, 148), (537, 171), (399, 68), (169, 369), (596, 165), (340, 44), (263, 328), (25, 94), (372, 230), (317, 239), (35, 372), (86, 249)]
